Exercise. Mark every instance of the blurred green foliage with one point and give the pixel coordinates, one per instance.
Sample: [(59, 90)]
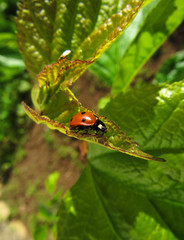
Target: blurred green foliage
[(44, 221), (172, 69), (123, 60), (14, 86)]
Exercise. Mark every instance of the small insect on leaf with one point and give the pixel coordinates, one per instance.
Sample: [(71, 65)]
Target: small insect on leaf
[(87, 121)]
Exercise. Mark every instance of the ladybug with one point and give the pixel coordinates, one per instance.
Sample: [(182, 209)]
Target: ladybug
[(87, 121)]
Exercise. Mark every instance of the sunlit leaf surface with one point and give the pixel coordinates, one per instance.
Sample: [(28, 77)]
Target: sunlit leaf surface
[(47, 28), (153, 116), (119, 197), (149, 29)]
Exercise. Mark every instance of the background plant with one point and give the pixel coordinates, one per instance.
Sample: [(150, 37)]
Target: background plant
[(118, 196), (46, 217), (14, 87)]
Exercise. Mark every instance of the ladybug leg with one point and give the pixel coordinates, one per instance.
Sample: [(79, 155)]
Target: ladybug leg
[(78, 130), (75, 129)]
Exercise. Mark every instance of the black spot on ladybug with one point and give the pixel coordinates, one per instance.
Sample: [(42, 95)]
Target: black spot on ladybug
[(84, 119), (83, 112), (71, 119)]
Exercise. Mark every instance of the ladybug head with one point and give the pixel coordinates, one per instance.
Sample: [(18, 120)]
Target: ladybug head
[(100, 126)]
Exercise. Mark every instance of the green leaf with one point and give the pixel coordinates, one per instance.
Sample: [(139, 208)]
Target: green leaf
[(161, 183), (114, 193), (51, 182), (58, 105), (47, 28), (150, 28), (8, 44), (9, 57), (151, 116), (162, 22), (147, 228), (114, 139), (41, 233), (172, 69), (12, 62)]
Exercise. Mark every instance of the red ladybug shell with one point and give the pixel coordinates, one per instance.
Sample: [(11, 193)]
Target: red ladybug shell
[(83, 119)]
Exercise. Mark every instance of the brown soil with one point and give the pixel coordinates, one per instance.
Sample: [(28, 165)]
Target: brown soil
[(28, 179), (89, 90)]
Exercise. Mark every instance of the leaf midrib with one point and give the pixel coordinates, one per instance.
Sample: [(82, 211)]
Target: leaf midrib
[(103, 205)]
